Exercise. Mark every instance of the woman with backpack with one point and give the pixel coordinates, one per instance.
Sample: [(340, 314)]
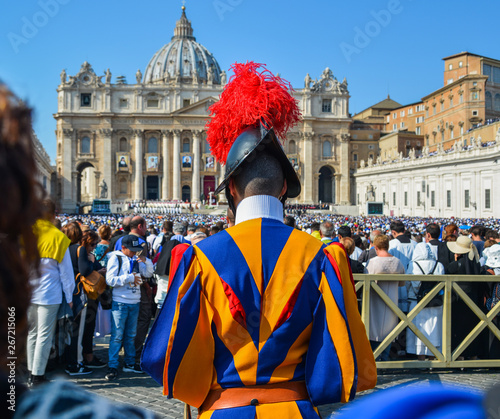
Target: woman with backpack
[(84, 309), (429, 320)]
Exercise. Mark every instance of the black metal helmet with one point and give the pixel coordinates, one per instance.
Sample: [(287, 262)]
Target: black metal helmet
[(249, 144)]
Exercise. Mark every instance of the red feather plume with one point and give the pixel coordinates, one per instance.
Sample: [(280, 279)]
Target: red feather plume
[(252, 95)]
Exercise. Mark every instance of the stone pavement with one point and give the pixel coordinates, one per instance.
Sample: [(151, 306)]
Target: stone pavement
[(141, 390)]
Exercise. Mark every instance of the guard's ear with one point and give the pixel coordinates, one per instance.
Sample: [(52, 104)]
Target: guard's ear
[(232, 188), (284, 189)]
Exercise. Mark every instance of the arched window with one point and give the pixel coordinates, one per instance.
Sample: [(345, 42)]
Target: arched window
[(292, 148), (497, 102), (186, 146), (85, 145), (327, 149), (123, 144), (153, 145), (489, 100), (207, 147)]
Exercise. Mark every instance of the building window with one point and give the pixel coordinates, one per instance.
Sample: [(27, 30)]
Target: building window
[(449, 81), (467, 198), (123, 144), (186, 146), (355, 157), (383, 197), (86, 100), (497, 102), (370, 136), (487, 198), (153, 145), (153, 103), (462, 130), (448, 199), (442, 106), (434, 109), (452, 134), (370, 147), (327, 105), (355, 136), (433, 199), (451, 102), (402, 113), (460, 64), (417, 130), (394, 199), (327, 149), (410, 111), (402, 124), (450, 67), (207, 147), (370, 156), (474, 113), (418, 199), (489, 100), (85, 145), (406, 198), (186, 102), (123, 103), (292, 147), (394, 127), (394, 115), (461, 98)]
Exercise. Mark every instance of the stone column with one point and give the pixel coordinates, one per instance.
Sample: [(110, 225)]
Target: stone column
[(166, 165), (195, 194), (308, 159), (345, 193), (74, 181), (67, 185), (97, 189), (176, 190), (138, 165), (107, 155)]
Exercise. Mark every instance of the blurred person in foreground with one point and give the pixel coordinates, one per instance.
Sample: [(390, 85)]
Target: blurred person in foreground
[(18, 259), (245, 330), (18, 243)]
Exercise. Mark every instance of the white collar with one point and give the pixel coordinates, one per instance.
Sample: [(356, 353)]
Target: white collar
[(259, 206)]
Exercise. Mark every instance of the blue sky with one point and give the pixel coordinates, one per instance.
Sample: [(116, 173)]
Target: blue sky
[(381, 47)]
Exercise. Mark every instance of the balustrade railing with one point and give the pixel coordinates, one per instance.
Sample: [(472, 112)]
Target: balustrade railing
[(446, 357)]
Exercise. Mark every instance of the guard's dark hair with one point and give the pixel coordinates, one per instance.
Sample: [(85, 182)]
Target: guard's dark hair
[(262, 175)]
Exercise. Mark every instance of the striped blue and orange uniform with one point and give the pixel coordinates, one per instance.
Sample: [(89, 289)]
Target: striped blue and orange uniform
[(261, 303)]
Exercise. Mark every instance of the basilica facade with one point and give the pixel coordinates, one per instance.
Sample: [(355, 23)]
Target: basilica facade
[(146, 140)]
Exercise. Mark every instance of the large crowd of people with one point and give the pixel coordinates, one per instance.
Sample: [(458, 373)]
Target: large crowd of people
[(66, 278)]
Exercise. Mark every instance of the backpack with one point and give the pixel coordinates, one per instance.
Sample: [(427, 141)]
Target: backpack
[(426, 287), (93, 284)]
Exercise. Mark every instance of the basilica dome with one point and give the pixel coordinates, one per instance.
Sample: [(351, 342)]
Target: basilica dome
[(182, 59)]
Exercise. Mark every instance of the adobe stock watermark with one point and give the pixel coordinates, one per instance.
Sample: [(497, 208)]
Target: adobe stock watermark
[(30, 26), (223, 6), (363, 36)]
